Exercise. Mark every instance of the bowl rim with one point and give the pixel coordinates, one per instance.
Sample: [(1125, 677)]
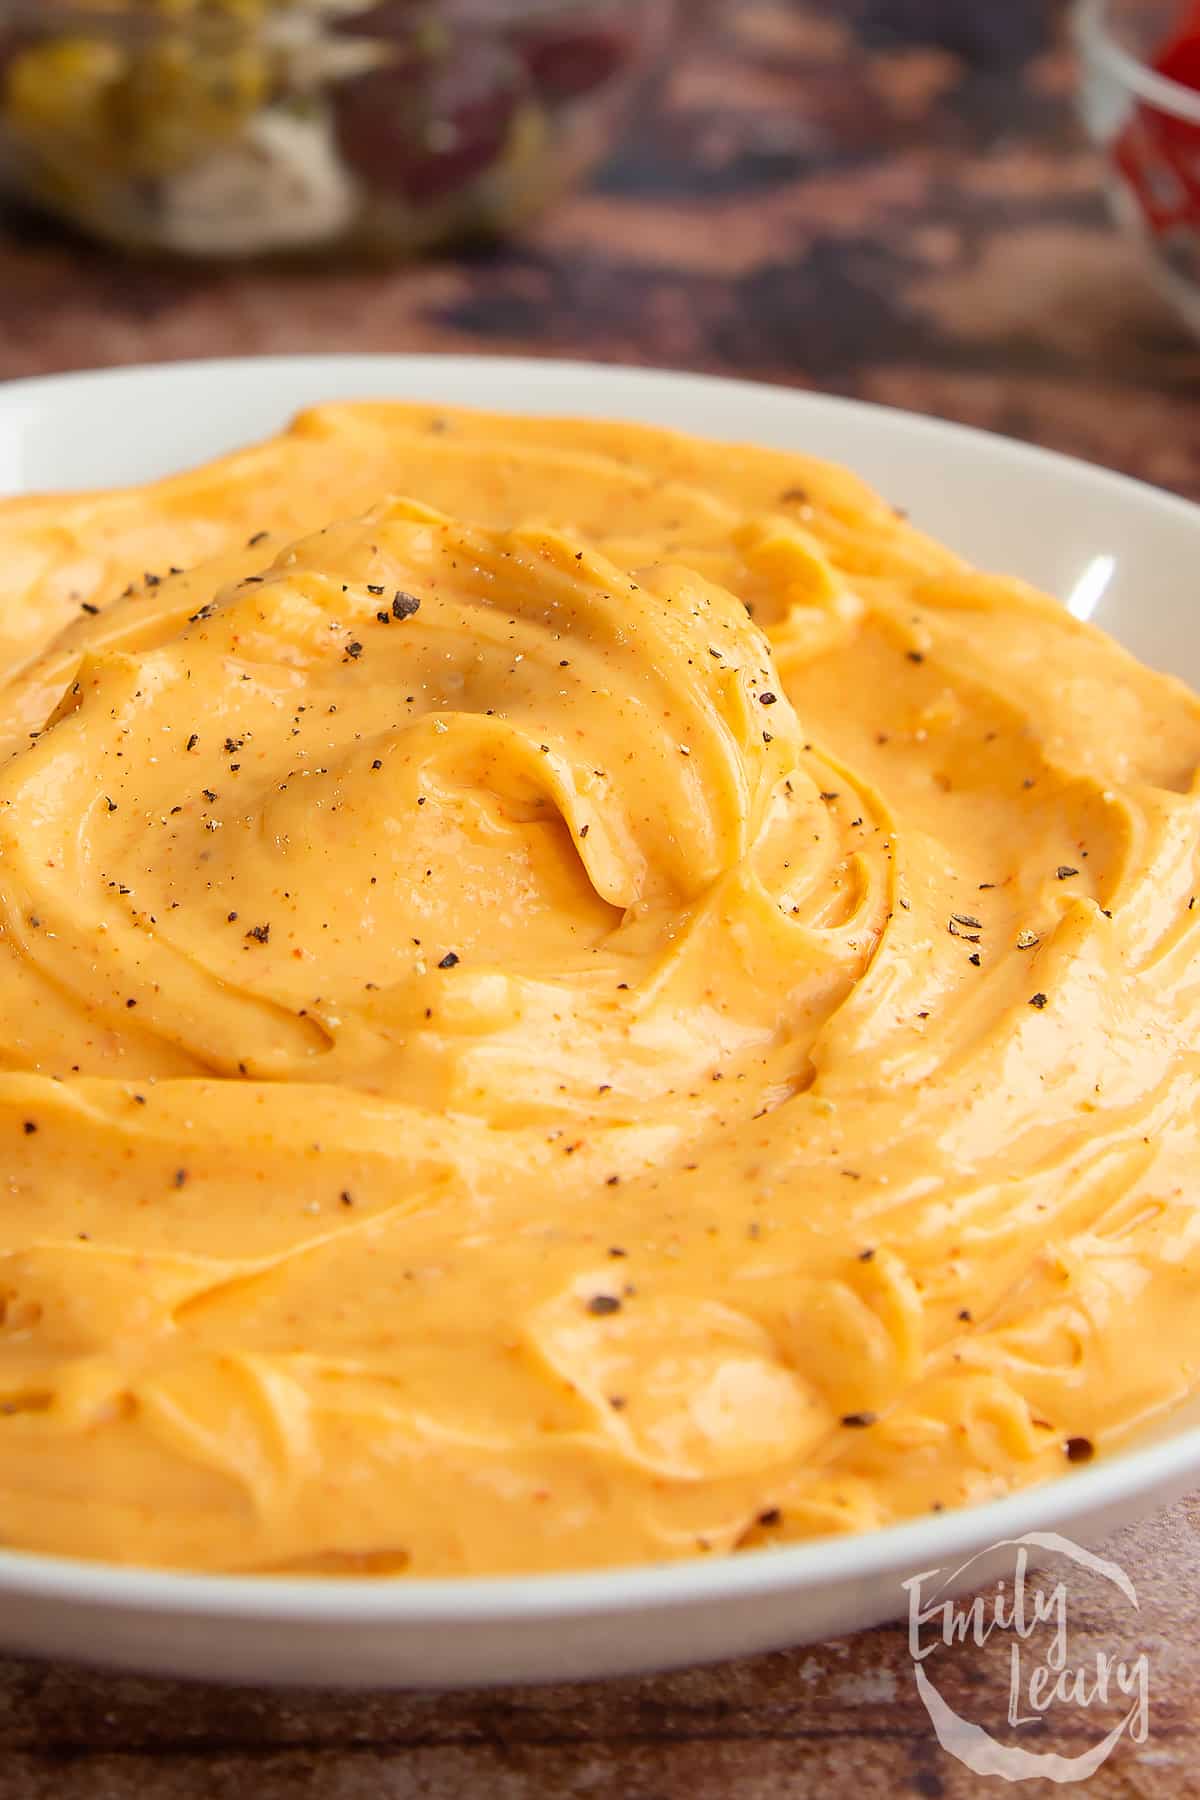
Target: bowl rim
[(1095, 38), (1170, 1457), (539, 376), (935, 1541)]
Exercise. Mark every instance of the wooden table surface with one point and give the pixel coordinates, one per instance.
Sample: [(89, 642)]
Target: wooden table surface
[(886, 198)]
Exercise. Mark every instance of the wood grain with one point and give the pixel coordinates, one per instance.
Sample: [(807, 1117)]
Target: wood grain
[(841, 1719), (885, 198)]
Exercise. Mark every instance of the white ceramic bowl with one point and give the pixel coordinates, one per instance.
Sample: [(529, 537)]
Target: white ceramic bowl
[(1120, 553)]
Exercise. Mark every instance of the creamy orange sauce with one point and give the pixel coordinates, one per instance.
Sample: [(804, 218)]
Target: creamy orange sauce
[(621, 1005)]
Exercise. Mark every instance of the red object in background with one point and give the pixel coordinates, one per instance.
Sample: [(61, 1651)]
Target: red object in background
[(1180, 55), (426, 131), (1159, 155), (426, 126), (570, 59)]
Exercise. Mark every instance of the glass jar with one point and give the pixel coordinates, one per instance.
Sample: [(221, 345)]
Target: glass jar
[(242, 128), (1146, 121)]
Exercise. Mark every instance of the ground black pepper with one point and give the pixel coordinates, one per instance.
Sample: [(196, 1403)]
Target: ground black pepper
[(603, 1304)]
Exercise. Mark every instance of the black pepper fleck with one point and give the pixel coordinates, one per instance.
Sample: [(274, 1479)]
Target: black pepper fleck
[(602, 1304)]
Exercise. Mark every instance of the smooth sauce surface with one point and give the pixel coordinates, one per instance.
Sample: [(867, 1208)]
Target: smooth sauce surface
[(510, 1059)]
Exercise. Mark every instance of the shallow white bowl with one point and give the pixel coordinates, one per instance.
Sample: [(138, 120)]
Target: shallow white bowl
[(1120, 553)]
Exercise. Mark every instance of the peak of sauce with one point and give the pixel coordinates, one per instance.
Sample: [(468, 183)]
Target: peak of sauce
[(620, 1006)]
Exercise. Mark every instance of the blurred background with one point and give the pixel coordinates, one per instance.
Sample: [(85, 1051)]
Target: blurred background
[(893, 199)]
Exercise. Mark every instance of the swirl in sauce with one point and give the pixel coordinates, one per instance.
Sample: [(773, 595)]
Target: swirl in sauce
[(652, 1021)]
